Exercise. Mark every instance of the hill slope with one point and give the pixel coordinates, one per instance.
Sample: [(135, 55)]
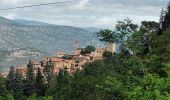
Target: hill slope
[(32, 23), (5, 21), (46, 39)]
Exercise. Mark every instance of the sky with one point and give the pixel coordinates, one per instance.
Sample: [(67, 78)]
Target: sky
[(85, 13)]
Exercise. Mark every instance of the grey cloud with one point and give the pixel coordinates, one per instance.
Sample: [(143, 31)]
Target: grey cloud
[(91, 13), (136, 3)]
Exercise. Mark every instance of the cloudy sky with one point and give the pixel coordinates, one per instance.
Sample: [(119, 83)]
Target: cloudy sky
[(85, 13)]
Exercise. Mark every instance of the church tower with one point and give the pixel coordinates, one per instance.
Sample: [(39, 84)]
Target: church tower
[(77, 44)]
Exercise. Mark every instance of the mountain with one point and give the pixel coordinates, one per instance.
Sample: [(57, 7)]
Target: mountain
[(21, 56), (32, 23), (92, 29), (5, 21), (15, 39)]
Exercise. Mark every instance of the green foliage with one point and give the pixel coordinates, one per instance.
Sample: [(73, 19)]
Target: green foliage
[(114, 89), (9, 97), (122, 33), (67, 57), (88, 50), (60, 85), (151, 87), (30, 73), (29, 83), (49, 71), (126, 26), (166, 21), (95, 69), (124, 29), (14, 84), (32, 97), (46, 98), (40, 84), (141, 40), (3, 90), (18, 86), (107, 36), (107, 54)]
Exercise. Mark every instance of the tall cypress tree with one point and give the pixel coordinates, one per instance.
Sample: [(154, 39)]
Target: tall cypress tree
[(29, 87), (61, 84), (48, 71), (63, 77), (40, 87), (30, 71), (18, 86), (11, 76)]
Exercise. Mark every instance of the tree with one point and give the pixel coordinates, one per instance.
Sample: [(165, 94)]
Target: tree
[(48, 72), (63, 77), (30, 72), (140, 41), (126, 26), (150, 87), (166, 21), (67, 57), (113, 89), (9, 97), (15, 84), (122, 33), (60, 85), (107, 36), (11, 77), (40, 84), (3, 90), (124, 30), (107, 55), (18, 86), (29, 83), (88, 50)]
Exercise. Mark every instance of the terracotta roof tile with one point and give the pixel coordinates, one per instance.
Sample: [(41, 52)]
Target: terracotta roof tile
[(60, 53)]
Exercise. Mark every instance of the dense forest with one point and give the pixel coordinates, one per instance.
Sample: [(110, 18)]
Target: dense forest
[(140, 71)]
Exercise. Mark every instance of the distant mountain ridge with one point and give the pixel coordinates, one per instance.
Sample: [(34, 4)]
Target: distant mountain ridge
[(32, 23), (46, 39), (5, 21)]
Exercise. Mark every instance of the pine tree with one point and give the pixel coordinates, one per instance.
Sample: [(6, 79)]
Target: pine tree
[(166, 21), (48, 71), (30, 71), (15, 84), (18, 86), (61, 84), (10, 80), (29, 87), (63, 77), (143, 37), (40, 87)]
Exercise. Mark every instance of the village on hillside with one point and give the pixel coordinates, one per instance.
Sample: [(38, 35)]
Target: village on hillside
[(71, 62)]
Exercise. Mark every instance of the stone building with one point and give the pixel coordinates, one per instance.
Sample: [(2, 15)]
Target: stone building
[(60, 54), (98, 53), (111, 47)]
